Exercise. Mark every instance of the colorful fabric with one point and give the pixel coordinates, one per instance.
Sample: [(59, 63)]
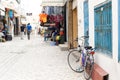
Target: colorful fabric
[(43, 17), (57, 37), (61, 33)]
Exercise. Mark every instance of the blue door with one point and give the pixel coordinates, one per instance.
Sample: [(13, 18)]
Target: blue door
[(103, 28), (119, 30), (86, 21)]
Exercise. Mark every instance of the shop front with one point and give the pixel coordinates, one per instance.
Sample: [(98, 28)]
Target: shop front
[(52, 17)]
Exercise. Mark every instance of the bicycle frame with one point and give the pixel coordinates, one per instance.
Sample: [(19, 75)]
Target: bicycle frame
[(83, 58)]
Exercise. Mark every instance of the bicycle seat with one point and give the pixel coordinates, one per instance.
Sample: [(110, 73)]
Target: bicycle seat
[(88, 47)]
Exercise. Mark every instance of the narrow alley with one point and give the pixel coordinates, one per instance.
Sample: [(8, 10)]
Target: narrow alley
[(34, 60)]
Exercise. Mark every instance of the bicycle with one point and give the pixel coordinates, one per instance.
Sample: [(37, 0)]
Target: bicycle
[(82, 59)]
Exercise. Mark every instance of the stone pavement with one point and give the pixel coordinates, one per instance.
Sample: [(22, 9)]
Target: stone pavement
[(34, 60)]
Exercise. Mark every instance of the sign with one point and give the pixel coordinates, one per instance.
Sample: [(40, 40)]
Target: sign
[(29, 14)]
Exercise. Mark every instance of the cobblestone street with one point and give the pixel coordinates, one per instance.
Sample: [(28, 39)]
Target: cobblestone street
[(34, 60)]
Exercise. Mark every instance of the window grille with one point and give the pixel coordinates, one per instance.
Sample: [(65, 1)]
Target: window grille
[(103, 28)]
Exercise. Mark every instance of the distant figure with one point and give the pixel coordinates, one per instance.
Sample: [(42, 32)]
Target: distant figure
[(29, 29), (22, 30)]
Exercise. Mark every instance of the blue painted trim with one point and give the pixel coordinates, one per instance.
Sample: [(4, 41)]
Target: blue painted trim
[(86, 20), (118, 30)]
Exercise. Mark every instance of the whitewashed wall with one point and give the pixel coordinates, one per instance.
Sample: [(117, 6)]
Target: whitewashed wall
[(110, 65), (80, 18), (3, 8)]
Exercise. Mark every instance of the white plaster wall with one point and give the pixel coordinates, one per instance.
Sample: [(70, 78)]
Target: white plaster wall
[(110, 65), (74, 4), (80, 18), (3, 8)]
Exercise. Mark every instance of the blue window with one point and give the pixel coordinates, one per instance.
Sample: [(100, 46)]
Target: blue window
[(103, 28), (86, 20), (119, 30)]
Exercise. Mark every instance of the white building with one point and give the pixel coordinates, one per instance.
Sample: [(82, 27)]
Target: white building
[(101, 18)]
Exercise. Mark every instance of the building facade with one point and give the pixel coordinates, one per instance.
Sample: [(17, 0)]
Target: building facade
[(12, 15), (100, 20)]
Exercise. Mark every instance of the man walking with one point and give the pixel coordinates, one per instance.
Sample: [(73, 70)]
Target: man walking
[(22, 30), (29, 29)]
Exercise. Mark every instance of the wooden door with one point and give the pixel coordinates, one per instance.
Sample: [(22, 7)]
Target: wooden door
[(75, 26)]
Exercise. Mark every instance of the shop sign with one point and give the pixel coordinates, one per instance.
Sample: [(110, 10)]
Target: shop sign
[(29, 14)]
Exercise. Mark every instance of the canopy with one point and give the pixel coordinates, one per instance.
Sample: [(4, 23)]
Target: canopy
[(52, 3)]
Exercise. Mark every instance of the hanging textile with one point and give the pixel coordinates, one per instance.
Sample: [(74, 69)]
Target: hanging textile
[(43, 17)]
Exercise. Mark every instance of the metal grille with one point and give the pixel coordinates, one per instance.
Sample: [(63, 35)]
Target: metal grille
[(103, 28)]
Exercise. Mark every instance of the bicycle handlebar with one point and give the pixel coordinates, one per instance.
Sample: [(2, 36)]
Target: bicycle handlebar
[(84, 37)]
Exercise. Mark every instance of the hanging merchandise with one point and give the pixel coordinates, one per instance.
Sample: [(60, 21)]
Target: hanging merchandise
[(11, 14), (43, 17)]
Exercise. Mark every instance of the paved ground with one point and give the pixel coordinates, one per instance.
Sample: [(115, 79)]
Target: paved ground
[(34, 60)]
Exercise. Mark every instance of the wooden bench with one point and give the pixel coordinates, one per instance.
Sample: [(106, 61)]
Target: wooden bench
[(99, 73)]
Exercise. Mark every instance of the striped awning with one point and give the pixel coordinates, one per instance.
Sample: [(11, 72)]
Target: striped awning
[(52, 3)]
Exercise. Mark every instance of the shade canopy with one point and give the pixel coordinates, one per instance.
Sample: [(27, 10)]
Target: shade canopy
[(52, 3)]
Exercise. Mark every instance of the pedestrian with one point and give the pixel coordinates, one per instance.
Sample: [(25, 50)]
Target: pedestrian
[(22, 30), (29, 29)]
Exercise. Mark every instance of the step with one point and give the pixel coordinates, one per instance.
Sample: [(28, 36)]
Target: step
[(63, 47)]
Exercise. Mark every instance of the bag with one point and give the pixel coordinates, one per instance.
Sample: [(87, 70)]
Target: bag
[(8, 37)]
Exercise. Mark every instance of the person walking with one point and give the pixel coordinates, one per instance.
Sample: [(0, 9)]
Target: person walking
[(29, 29), (22, 30)]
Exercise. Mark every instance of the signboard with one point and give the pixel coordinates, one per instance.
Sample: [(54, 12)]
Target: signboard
[(29, 14)]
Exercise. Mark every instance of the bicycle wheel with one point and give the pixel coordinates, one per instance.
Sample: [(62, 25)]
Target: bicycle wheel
[(88, 68), (74, 61)]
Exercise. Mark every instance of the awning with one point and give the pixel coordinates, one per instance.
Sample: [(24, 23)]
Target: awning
[(52, 3), (9, 4), (48, 24)]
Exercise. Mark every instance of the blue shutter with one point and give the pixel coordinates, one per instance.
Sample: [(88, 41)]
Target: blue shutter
[(86, 20), (103, 28), (119, 30)]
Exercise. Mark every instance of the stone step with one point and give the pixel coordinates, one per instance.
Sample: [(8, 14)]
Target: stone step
[(63, 47)]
